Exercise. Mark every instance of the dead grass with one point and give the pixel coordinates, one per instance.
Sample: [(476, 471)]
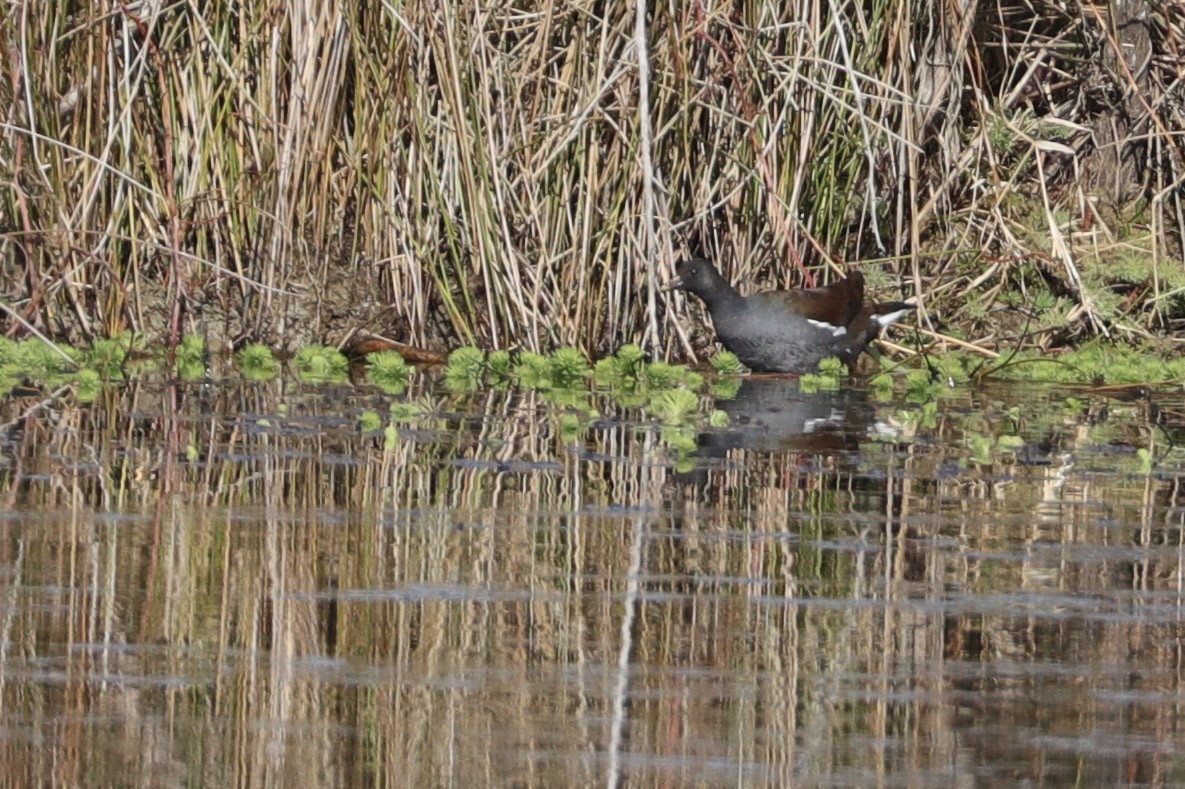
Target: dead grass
[(514, 176)]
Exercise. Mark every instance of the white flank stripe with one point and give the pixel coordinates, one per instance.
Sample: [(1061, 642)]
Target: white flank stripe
[(836, 331)]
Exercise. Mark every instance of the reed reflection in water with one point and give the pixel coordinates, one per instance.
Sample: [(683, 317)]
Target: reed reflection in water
[(237, 587)]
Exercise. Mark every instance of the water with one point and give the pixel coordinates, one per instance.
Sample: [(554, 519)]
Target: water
[(236, 586)]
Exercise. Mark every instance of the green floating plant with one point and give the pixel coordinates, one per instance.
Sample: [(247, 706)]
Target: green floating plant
[(190, 358), (571, 427), (87, 385), (465, 369), (10, 353), (369, 422), (1118, 364), (405, 412), (674, 406), (499, 368), (923, 387), (986, 448), (564, 370), (726, 388), (533, 370), (955, 367), (623, 369), (981, 449), (719, 419), (667, 391), (631, 397), (321, 364), (1010, 443), (45, 362), (631, 354), (661, 375), (831, 374), (680, 438), (1030, 366), (727, 363), (256, 362), (568, 368), (628, 370), (389, 371), (813, 384), (108, 356), (1101, 362), (881, 386), (926, 416), (569, 398)]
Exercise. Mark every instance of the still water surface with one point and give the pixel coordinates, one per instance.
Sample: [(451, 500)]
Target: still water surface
[(238, 586)]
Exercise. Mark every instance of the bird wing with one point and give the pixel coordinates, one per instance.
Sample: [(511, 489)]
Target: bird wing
[(837, 304)]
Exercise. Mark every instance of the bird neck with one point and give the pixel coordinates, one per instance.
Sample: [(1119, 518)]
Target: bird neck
[(720, 294)]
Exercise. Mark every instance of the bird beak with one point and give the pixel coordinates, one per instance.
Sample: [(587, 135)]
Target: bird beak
[(674, 283)]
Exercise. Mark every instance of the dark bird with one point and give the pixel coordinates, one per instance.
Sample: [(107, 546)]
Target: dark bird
[(788, 331)]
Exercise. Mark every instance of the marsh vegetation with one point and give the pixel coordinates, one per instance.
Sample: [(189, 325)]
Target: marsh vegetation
[(507, 177)]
